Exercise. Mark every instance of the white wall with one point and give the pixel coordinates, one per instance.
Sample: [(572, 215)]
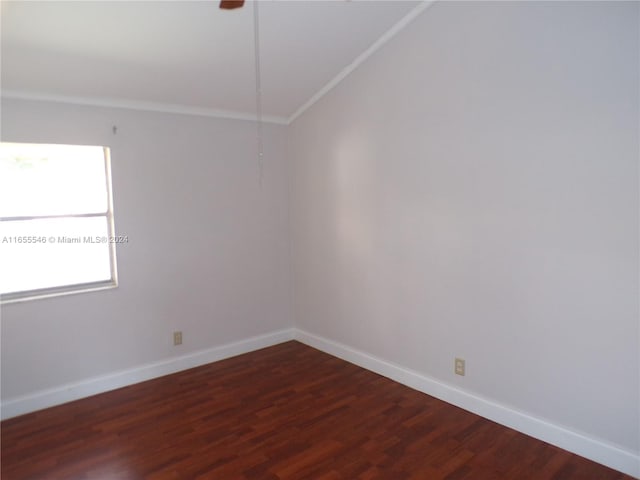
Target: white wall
[(472, 190), (207, 253)]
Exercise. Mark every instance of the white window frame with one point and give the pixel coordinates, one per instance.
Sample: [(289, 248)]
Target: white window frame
[(25, 295)]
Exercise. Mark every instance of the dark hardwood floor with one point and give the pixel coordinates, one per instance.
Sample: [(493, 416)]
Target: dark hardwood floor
[(285, 412)]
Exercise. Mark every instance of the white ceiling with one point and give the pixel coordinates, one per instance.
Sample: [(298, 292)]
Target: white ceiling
[(187, 53)]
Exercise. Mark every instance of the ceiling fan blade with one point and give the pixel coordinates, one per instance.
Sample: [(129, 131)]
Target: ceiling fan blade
[(231, 4)]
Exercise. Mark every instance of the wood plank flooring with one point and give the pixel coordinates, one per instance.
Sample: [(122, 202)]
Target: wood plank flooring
[(285, 412)]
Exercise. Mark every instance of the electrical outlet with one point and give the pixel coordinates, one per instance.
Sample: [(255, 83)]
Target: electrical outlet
[(459, 369), (177, 338)]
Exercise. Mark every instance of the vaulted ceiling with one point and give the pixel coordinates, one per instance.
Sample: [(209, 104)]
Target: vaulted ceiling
[(187, 53)]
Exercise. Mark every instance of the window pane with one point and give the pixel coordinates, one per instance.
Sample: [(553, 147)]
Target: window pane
[(38, 179), (47, 253)]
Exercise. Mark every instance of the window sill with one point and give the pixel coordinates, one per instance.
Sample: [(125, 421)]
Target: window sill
[(56, 292)]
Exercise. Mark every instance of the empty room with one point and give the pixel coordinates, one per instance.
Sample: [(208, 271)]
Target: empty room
[(338, 239)]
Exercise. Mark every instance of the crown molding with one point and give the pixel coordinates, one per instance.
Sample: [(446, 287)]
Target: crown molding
[(225, 114), (140, 106), (377, 45)]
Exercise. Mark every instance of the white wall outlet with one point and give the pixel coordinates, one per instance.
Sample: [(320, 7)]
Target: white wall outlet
[(459, 366), (177, 338)]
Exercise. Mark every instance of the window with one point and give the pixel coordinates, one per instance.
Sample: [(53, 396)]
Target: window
[(56, 220)]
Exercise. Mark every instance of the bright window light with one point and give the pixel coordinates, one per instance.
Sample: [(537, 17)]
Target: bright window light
[(56, 220)]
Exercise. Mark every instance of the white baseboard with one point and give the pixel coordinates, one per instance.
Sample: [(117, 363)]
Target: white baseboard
[(580, 444), (91, 386)]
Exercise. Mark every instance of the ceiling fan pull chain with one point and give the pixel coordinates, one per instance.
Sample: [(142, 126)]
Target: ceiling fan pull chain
[(256, 35)]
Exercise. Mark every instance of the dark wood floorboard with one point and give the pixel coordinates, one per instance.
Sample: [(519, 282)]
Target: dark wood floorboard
[(284, 412)]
